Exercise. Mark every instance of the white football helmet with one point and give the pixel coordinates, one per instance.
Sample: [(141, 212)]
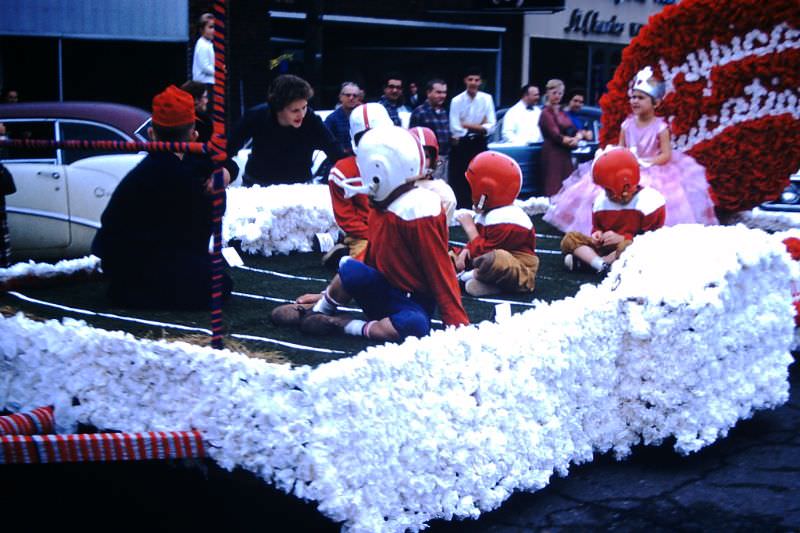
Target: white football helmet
[(366, 117), (387, 158)]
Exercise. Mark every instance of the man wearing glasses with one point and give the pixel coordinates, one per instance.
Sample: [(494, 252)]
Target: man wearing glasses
[(338, 122), (392, 98)]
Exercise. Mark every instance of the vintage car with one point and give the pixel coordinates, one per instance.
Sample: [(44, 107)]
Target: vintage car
[(62, 193)]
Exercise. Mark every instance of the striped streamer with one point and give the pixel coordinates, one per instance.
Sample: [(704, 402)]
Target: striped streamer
[(104, 447), (113, 146), (217, 147), (40, 420)]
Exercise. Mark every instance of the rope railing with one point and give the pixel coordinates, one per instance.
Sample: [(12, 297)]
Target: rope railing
[(110, 146)]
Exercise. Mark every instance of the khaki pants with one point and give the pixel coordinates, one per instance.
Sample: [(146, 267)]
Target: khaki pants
[(574, 239), (511, 271)]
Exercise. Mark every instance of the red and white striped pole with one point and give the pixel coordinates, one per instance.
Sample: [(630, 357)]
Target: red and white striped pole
[(217, 147)]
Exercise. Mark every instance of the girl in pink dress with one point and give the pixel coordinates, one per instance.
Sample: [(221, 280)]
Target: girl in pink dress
[(674, 174)]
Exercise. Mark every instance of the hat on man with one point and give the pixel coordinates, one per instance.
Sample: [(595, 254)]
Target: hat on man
[(173, 107)]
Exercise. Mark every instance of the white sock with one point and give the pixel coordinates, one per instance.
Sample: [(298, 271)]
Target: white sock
[(326, 304), (466, 275), (356, 328), (598, 263)]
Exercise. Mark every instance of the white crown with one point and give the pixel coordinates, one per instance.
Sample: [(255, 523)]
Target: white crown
[(645, 82)]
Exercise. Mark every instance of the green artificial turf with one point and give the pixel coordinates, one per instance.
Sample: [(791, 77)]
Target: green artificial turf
[(250, 316)]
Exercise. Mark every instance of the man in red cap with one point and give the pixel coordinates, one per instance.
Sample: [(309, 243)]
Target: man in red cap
[(155, 230)]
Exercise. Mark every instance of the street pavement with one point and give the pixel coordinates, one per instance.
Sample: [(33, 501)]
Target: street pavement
[(748, 481)]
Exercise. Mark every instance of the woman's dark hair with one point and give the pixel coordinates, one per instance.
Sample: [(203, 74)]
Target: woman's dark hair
[(287, 88), (195, 88)]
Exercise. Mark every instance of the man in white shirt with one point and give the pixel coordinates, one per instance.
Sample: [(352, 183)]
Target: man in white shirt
[(472, 118), (521, 122)]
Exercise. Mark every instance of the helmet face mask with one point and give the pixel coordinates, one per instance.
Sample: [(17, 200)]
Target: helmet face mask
[(388, 157), (495, 180), (617, 171)]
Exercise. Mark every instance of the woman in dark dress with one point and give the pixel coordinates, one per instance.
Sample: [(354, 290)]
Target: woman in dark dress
[(559, 139)]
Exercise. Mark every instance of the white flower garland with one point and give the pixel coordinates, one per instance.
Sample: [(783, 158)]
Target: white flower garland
[(88, 264), (451, 424)]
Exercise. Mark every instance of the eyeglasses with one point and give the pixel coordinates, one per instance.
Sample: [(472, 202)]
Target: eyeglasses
[(349, 95)]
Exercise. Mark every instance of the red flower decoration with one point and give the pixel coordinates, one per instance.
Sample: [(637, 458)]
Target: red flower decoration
[(734, 110)]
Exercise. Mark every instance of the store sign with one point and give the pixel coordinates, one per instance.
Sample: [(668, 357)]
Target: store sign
[(592, 22)]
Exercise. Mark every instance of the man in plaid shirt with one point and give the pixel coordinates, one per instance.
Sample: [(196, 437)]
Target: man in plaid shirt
[(432, 114)]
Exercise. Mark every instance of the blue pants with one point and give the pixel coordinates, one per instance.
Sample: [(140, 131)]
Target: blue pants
[(410, 313)]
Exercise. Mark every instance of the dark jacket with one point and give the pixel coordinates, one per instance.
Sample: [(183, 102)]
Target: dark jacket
[(153, 242), (281, 154)]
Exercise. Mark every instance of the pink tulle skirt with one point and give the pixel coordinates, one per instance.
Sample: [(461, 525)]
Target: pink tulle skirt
[(682, 181)]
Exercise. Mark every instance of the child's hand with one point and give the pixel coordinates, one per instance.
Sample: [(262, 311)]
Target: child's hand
[(597, 237), (611, 238), (464, 218), (310, 298), (461, 260)]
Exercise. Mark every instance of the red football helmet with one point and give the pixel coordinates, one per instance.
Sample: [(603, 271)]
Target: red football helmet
[(616, 169), (495, 180), (427, 139)]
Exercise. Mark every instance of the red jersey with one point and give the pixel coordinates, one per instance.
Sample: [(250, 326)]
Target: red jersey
[(505, 228), (408, 245), (645, 212), (351, 214)]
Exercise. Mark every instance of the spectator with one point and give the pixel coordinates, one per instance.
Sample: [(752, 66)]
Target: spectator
[(413, 100), (285, 133), (521, 122), (10, 96), (432, 114), (338, 122), (559, 139), (472, 119), (362, 96), (153, 241), (7, 187), (392, 96), (572, 110), (199, 92), (203, 62), (203, 123)]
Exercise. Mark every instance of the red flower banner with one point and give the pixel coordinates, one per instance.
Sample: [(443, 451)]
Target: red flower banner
[(732, 72)]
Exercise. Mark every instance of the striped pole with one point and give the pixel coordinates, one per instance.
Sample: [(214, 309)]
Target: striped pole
[(217, 147)]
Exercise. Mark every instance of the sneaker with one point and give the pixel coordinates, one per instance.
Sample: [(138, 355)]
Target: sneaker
[(331, 259), (573, 264), (322, 324), (322, 242), (605, 269), (289, 314), (478, 288)]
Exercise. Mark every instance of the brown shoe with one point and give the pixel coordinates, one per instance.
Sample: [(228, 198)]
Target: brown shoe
[(290, 314), (322, 324)]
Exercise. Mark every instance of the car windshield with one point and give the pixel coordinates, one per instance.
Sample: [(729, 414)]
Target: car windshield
[(141, 131)]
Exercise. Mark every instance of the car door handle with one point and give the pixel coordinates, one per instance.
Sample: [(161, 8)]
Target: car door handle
[(54, 175)]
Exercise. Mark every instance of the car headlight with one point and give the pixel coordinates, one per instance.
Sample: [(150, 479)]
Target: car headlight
[(789, 196)]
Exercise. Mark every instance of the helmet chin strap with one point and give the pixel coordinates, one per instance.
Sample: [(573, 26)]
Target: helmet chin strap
[(481, 203), (394, 195)]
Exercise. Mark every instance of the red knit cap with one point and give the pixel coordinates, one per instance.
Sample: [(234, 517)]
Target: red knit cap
[(173, 107)]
